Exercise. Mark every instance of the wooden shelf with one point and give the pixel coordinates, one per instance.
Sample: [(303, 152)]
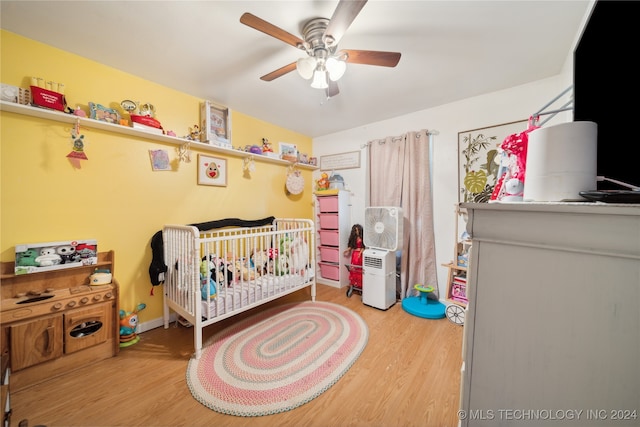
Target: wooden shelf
[(452, 266), (59, 116)]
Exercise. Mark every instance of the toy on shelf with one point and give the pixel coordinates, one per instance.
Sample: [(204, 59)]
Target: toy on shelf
[(101, 276), (266, 146), (323, 182), (128, 326)]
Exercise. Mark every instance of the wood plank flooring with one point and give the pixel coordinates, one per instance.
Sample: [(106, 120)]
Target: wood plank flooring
[(408, 375)]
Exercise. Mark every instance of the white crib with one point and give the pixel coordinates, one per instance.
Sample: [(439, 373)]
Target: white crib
[(216, 274)]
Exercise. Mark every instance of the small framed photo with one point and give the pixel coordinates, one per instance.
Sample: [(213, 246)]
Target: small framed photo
[(160, 160), (215, 123), (288, 152), (212, 171), (103, 114)]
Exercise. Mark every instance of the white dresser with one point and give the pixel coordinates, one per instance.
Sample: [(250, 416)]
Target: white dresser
[(552, 331)]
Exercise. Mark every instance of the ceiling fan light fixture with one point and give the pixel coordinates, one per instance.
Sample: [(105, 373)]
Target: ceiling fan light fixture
[(336, 68), (306, 67), (319, 80)]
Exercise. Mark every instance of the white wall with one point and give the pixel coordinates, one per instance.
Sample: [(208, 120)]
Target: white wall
[(514, 104)]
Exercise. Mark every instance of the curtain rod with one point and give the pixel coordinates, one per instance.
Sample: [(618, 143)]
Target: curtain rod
[(429, 133)]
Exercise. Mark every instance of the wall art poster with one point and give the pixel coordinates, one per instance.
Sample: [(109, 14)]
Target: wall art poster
[(212, 171), (159, 160), (479, 160)]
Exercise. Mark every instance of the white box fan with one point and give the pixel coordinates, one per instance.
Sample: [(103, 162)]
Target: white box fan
[(382, 238)]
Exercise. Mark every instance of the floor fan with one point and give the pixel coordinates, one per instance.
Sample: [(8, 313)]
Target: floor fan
[(382, 238)]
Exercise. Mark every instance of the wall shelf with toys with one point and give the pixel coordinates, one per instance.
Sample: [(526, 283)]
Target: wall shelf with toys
[(58, 116)]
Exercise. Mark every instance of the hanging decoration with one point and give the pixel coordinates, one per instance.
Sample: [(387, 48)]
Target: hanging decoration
[(184, 152), (78, 143), (295, 181), (249, 165)]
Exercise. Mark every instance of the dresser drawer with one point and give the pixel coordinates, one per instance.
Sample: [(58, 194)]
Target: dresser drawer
[(328, 203)]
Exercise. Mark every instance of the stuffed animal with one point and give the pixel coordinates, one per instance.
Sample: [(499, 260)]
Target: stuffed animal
[(282, 264), (48, 257), (27, 258), (259, 261), (68, 254), (220, 273), (243, 273), (323, 182), (299, 255), (207, 283), (128, 325)]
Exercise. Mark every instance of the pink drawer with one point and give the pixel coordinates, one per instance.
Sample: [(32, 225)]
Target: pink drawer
[(329, 221), (330, 271), (329, 238), (329, 254), (328, 203)]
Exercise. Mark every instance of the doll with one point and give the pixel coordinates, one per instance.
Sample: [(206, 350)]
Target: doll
[(355, 247)]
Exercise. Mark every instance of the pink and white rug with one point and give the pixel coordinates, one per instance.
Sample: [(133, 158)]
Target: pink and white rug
[(278, 359)]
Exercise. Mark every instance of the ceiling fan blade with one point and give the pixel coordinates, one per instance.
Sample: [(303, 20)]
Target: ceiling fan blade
[(343, 16), (270, 29), (279, 72), (372, 57), (333, 89)]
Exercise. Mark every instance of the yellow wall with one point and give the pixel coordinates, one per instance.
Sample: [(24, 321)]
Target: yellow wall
[(114, 196)]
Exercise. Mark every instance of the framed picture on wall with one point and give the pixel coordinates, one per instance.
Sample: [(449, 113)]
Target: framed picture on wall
[(160, 160), (288, 151), (479, 160), (215, 123), (212, 171)]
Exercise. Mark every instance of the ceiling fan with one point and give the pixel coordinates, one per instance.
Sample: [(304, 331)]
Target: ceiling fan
[(324, 64)]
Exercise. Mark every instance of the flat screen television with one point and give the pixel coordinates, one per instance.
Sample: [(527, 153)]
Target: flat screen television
[(607, 88)]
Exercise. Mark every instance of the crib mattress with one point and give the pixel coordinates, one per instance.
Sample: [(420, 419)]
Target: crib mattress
[(244, 293)]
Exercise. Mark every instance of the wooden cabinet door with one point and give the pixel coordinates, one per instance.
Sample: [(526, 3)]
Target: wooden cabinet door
[(36, 341), (85, 327)]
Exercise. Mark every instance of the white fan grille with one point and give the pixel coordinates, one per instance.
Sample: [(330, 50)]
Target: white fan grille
[(383, 228)]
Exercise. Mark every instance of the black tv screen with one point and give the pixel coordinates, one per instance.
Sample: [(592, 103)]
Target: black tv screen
[(607, 88)]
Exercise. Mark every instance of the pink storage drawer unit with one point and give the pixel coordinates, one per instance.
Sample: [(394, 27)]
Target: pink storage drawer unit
[(330, 271), (328, 203), (329, 221), (329, 238), (329, 254)]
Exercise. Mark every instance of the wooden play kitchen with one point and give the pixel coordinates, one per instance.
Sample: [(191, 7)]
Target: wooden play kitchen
[(54, 322)]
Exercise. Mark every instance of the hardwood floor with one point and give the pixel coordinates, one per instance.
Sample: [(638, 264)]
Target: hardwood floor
[(408, 375)]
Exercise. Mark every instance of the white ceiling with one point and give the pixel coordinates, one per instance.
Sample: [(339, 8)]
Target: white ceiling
[(451, 50)]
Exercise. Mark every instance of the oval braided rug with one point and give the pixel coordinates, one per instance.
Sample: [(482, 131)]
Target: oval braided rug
[(278, 359)]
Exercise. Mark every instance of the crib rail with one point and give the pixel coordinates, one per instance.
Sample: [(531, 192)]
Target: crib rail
[(181, 253), (215, 274)]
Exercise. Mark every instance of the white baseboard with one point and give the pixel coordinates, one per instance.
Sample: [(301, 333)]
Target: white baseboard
[(154, 323)]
